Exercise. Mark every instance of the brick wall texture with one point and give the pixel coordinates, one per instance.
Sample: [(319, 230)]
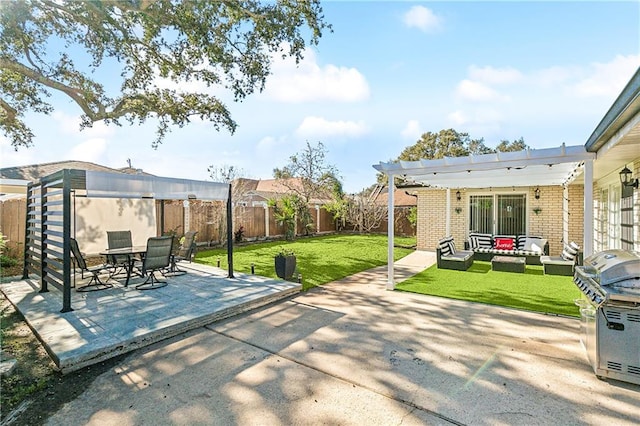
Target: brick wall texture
[(547, 224)]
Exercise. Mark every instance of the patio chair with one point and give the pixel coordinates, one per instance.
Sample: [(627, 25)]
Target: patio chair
[(157, 258), (116, 240), (94, 284), (447, 257), (184, 253)]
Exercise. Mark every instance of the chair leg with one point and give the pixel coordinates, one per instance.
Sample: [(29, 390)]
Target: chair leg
[(151, 283), (94, 284)]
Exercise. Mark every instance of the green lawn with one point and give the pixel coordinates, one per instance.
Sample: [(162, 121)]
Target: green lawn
[(531, 291), (319, 259)]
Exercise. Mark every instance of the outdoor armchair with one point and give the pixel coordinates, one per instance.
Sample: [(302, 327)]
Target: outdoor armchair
[(447, 257), (157, 258), (184, 253), (79, 260)]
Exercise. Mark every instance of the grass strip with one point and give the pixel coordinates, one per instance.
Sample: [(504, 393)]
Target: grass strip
[(319, 259), (532, 291)]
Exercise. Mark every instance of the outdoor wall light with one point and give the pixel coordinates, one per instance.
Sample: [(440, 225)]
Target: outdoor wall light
[(458, 196), (626, 180), (536, 193)]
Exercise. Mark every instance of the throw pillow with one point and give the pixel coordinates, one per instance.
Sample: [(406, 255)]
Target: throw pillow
[(534, 244), (446, 246), (570, 251), (477, 240), (504, 243)]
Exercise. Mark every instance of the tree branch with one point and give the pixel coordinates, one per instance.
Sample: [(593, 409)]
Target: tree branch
[(73, 93)]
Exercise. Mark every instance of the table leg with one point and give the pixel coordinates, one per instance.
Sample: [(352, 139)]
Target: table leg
[(129, 269)]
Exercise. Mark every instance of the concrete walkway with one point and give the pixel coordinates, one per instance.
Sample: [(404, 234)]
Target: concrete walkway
[(353, 353)]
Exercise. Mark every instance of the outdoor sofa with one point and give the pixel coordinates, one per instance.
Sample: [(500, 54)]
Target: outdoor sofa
[(485, 246)]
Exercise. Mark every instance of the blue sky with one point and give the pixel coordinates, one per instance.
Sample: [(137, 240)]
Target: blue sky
[(544, 71)]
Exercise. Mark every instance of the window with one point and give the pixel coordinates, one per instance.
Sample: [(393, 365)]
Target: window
[(503, 214)]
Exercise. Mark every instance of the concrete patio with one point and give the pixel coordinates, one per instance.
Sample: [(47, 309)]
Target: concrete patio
[(114, 321)]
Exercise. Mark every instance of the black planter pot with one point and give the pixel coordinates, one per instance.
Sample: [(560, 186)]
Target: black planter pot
[(285, 266)]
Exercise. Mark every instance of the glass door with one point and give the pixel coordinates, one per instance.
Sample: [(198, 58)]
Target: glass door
[(614, 217), (481, 214), (511, 218)]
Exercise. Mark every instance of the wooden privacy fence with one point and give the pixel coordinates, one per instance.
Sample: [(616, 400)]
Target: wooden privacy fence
[(12, 223), (205, 217)]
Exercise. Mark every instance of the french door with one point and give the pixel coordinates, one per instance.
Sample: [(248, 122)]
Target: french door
[(501, 214)]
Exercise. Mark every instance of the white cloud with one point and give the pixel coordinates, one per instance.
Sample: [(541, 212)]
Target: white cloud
[(412, 130), (309, 82), (422, 18), (92, 150), (478, 92), (458, 118), (480, 121), (70, 124), (10, 157), (321, 127), (495, 76), (607, 79)]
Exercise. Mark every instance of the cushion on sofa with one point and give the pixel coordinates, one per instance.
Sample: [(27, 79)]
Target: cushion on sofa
[(503, 243), (478, 240), (570, 251), (521, 240), (534, 244), (447, 247)]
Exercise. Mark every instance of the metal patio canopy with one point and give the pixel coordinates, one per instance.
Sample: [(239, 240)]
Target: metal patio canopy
[(540, 167), (48, 227)]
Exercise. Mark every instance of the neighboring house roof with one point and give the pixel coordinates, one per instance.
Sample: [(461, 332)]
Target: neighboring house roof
[(271, 189), (34, 172), (624, 109)]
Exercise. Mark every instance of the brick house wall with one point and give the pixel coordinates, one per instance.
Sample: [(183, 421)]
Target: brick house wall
[(547, 224)]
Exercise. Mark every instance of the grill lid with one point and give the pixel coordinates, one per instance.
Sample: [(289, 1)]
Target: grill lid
[(619, 268)]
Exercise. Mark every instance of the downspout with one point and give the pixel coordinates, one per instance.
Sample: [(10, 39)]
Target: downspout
[(390, 234)]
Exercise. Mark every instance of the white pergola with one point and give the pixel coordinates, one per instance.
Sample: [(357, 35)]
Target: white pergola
[(541, 167)]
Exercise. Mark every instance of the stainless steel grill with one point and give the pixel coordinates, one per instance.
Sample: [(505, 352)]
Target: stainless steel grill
[(610, 313)]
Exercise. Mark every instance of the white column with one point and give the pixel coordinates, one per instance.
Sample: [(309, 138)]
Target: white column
[(565, 214), (266, 220), (447, 226), (588, 208), (187, 216), (390, 235)]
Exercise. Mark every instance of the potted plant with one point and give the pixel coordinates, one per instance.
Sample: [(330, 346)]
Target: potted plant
[(285, 263), (537, 210)]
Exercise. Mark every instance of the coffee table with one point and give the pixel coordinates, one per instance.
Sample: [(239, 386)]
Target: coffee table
[(508, 264)]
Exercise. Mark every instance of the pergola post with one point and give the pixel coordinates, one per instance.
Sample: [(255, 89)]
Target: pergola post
[(66, 241), (588, 209), (230, 235), (447, 226), (390, 234)]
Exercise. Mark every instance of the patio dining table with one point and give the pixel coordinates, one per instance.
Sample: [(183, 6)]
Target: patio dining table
[(131, 253)]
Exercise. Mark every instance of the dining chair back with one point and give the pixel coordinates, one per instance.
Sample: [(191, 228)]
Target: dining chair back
[(185, 253), (116, 240), (157, 258)]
